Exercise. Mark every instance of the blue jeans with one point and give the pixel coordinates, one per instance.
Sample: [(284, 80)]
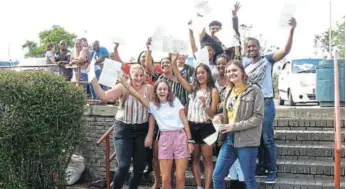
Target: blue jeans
[(129, 143), (267, 149), (228, 154), (93, 94), (235, 171)]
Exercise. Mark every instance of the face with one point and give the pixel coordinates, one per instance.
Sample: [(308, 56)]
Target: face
[(234, 73), (221, 65), (162, 91), (84, 43), (166, 65), (252, 48), (211, 52), (202, 75), (181, 59), (78, 44), (63, 45), (214, 29), (137, 77), (96, 46), (142, 59)]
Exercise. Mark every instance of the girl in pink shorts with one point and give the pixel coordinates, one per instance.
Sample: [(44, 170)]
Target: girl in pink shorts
[(175, 141)]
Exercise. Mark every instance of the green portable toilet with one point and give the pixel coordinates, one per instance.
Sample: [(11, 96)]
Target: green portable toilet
[(325, 82)]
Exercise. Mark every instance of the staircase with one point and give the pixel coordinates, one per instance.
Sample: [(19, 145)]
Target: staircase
[(304, 155)]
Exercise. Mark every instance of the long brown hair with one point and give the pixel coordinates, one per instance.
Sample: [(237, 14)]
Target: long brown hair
[(170, 96), (240, 66)]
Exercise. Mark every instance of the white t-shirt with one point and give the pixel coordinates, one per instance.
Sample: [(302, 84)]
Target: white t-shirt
[(167, 117)]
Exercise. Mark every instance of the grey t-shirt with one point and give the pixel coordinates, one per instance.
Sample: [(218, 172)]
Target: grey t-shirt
[(48, 56)]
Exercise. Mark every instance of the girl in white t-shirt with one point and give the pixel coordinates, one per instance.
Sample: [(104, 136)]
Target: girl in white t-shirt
[(175, 141)]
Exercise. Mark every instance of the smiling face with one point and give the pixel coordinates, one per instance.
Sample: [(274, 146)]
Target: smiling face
[(211, 52), (142, 58), (162, 91), (137, 76), (202, 75), (235, 73), (221, 63), (166, 65), (253, 48)]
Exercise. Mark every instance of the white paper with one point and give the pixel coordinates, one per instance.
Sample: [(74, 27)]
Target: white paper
[(202, 56), (110, 72), (212, 138), (202, 6), (157, 38), (119, 40), (168, 45), (228, 38), (288, 12), (198, 24), (91, 72)]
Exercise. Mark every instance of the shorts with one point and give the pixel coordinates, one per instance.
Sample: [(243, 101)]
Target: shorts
[(173, 145), (200, 131)]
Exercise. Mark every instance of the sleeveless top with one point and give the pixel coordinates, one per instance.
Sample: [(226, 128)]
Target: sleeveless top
[(196, 112), (131, 111)]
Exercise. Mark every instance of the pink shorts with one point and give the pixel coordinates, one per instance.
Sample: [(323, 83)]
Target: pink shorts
[(173, 145)]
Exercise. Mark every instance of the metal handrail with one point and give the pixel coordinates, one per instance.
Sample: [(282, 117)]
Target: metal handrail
[(105, 137), (337, 127)]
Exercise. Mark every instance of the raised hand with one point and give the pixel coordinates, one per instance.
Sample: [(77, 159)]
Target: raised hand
[(148, 43), (236, 9), (116, 45), (292, 22)]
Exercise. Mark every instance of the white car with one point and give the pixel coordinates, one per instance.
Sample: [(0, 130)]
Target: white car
[(297, 81), (36, 64)]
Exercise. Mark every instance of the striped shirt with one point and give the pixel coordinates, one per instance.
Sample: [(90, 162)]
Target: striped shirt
[(178, 90), (131, 111), (196, 112)]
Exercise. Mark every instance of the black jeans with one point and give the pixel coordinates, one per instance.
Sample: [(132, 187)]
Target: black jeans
[(129, 142)]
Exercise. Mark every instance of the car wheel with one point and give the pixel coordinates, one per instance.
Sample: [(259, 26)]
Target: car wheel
[(290, 99)]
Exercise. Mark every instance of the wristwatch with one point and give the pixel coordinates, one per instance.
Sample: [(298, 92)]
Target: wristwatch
[(189, 140)]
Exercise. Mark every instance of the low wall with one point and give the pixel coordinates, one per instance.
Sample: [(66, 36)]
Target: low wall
[(98, 119)]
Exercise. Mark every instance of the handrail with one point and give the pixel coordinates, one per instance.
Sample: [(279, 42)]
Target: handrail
[(337, 127), (105, 135)]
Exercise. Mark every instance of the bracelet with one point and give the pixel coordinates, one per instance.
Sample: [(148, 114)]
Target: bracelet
[(190, 141)]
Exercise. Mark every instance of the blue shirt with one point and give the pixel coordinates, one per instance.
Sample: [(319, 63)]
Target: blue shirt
[(102, 52), (267, 83)]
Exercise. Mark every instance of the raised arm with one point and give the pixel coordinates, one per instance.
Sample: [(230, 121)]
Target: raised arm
[(235, 18), (148, 65), (192, 40), (177, 74), (109, 95), (116, 53), (134, 93), (280, 54)]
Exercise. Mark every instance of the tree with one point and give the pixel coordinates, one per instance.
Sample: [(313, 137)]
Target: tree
[(53, 35), (338, 38)]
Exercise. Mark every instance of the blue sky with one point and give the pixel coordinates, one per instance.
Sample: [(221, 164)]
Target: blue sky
[(135, 20)]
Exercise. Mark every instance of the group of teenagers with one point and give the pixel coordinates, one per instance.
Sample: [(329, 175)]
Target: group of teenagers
[(170, 108)]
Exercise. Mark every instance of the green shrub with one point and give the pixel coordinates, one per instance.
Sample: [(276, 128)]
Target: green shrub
[(40, 124)]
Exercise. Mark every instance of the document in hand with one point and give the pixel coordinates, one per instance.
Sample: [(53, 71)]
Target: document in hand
[(211, 139), (202, 56), (202, 6), (110, 72), (288, 12), (228, 37), (91, 72)]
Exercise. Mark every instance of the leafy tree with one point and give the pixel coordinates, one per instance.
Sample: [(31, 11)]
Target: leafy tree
[(53, 35), (338, 38)]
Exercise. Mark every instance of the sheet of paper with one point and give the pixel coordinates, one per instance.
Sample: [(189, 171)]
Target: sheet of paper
[(168, 44), (213, 138), (180, 46), (91, 72), (202, 6), (228, 37), (202, 56), (287, 13), (110, 72), (119, 40), (157, 38), (198, 24)]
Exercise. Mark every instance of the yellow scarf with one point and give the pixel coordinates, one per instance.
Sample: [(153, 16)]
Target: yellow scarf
[(235, 93)]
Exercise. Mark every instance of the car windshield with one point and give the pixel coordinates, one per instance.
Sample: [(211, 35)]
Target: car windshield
[(305, 65), (3, 63)]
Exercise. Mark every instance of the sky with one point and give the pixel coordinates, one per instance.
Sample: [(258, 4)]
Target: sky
[(133, 21)]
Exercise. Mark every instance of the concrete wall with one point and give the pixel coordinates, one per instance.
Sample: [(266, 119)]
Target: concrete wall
[(98, 119)]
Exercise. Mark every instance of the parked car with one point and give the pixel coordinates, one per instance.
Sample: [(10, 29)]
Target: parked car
[(36, 64), (297, 81)]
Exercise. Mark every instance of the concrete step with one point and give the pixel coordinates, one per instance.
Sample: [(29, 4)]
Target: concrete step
[(306, 152), (305, 124), (306, 135), (281, 183)]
